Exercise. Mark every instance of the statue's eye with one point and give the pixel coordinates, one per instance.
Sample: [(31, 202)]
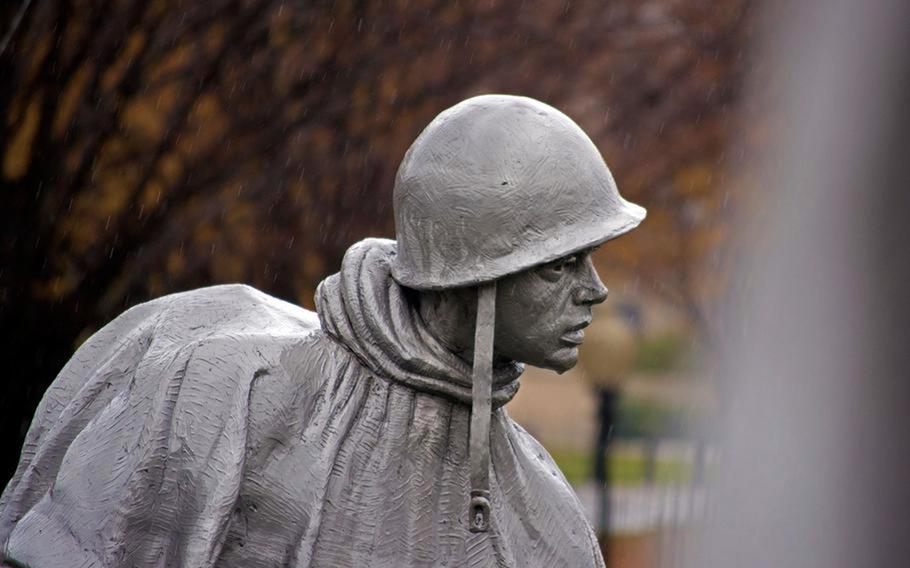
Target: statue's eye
[(555, 269), (564, 263)]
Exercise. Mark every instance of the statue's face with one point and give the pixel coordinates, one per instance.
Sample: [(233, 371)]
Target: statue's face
[(540, 312)]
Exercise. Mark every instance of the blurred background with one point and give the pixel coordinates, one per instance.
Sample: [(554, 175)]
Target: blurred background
[(154, 146)]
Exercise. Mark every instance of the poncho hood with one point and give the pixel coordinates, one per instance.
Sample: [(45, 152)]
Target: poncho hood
[(368, 312)]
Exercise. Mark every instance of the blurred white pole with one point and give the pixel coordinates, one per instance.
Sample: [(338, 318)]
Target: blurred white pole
[(815, 466)]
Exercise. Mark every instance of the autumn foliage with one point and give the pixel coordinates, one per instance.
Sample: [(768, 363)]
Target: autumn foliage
[(154, 146)]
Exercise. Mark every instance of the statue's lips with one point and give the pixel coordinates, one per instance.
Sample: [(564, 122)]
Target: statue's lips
[(574, 335)]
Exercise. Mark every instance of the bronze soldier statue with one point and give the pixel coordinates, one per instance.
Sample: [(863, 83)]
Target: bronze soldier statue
[(224, 427)]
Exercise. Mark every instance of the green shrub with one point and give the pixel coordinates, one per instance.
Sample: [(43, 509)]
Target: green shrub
[(643, 419), (662, 353)]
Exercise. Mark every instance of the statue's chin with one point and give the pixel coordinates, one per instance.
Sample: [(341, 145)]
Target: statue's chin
[(562, 360)]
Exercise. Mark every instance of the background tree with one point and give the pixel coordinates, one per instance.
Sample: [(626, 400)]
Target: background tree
[(150, 146)]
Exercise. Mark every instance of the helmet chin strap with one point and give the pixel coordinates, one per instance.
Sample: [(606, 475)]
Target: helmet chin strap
[(481, 391)]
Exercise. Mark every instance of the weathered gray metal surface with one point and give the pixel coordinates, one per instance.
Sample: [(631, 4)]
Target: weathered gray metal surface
[(223, 427), (481, 389), (497, 184)]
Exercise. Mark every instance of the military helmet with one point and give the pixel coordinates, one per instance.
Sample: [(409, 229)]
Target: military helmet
[(497, 184)]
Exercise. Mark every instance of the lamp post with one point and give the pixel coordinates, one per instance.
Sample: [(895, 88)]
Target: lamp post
[(606, 358)]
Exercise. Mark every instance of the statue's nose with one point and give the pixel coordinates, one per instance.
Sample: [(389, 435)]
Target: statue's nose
[(591, 295), (591, 290)]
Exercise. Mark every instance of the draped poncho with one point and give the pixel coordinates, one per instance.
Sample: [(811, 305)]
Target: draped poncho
[(224, 427)]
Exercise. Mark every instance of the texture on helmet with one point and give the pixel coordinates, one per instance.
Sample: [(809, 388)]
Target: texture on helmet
[(497, 184)]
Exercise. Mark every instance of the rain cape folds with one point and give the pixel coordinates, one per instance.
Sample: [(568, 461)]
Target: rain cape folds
[(224, 427)]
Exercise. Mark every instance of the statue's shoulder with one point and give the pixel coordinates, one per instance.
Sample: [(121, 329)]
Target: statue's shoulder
[(224, 322), (231, 296), (229, 308)]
